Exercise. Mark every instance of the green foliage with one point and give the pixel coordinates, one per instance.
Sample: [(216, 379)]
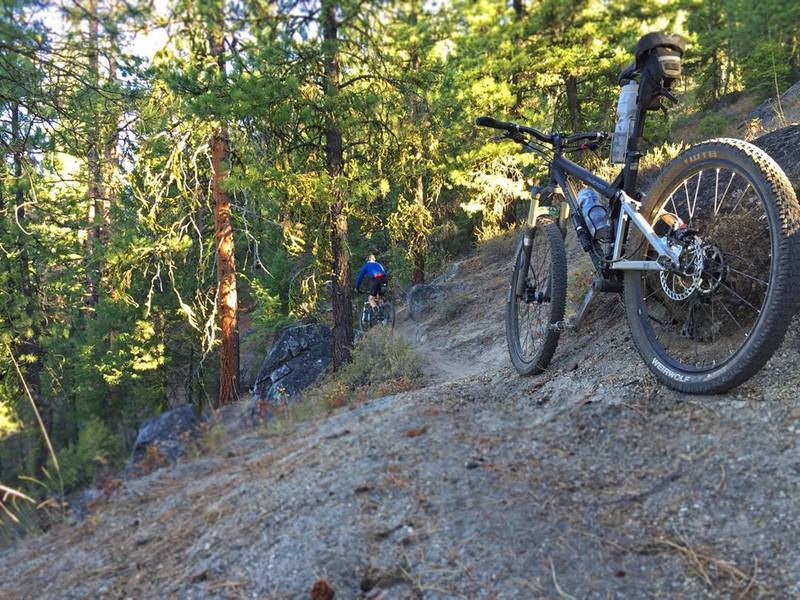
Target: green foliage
[(8, 420), (381, 356), (97, 449), (712, 125), (742, 45), (768, 68)]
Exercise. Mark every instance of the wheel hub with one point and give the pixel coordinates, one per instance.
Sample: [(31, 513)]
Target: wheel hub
[(532, 296)]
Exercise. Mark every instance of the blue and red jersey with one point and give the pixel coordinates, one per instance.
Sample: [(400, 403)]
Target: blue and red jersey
[(373, 270)]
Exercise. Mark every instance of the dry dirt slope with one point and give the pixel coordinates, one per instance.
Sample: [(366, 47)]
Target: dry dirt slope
[(588, 482)]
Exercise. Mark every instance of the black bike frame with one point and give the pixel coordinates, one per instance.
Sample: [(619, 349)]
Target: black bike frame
[(623, 210)]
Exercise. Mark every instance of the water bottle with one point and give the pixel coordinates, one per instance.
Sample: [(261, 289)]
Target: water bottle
[(595, 215), (626, 121)]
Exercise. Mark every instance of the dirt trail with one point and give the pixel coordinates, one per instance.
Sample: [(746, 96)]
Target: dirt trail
[(439, 364), (590, 481)]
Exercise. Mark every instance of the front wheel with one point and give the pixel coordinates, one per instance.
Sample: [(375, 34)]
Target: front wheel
[(367, 318), (536, 300), (717, 324)]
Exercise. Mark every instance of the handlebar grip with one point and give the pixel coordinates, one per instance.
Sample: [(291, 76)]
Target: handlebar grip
[(492, 122), (590, 136)]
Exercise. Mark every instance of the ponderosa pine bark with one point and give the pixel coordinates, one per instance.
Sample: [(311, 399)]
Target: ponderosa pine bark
[(341, 298), (573, 103), (420, 119), (226, 263), (418, 275), (95, 191)]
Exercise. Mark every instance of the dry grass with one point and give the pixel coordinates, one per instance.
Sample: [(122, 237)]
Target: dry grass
[(498, 249), (383, 364), (720, 575)]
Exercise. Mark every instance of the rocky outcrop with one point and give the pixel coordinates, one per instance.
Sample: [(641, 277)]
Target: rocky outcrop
[(163, 439), (299, 355), (421, 297), (773, 114)]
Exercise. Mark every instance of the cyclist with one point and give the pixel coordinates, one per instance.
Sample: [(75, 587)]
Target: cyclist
[(377, 277)]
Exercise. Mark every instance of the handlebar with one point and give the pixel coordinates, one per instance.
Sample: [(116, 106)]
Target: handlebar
[(514, 129), (589, 136)]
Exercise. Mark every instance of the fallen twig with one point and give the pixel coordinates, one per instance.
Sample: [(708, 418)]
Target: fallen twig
[(561, 592)]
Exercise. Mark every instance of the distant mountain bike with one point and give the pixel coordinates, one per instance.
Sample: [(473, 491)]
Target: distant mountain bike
[(383, 315), (707, 261)]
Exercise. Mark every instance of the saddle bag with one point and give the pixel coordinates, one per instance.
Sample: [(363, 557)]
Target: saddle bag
[(658, 59)]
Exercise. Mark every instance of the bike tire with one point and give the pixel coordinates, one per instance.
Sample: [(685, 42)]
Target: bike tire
[(364, 325), (774, 194), (548, 236)]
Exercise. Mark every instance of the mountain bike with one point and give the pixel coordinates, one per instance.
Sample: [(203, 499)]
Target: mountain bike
[(706, 261), (382, 315)]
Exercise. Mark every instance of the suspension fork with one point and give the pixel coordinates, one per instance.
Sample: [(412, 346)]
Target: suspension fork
[(534, 212)]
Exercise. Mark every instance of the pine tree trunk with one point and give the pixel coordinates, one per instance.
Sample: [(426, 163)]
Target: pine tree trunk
[(334, 158), (95, 187), (519, 13), (418, 275), (226, 265), (419, 118), (573, 103), (110, 137)]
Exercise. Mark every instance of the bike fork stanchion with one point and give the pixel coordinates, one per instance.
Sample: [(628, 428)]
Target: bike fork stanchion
[(527, 245), (534, 212)]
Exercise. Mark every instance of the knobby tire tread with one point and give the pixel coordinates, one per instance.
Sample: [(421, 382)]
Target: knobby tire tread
[(558, 268), (782, 297)]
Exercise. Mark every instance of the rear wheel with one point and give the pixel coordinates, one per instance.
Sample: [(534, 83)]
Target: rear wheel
[(717, 324), (535, 309)]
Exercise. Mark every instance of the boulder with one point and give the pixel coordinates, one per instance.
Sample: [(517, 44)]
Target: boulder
[(299, 355), (773, 114), (421, 297), (163, 439)]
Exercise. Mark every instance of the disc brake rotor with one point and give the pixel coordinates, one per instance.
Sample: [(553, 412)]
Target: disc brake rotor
[(684, 285)]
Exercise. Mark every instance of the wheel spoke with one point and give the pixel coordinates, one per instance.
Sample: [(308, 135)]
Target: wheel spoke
[(740, 297), (721, 200), (709, 325)]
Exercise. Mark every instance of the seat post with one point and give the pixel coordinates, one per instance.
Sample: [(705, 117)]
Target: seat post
[(631, 169)]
